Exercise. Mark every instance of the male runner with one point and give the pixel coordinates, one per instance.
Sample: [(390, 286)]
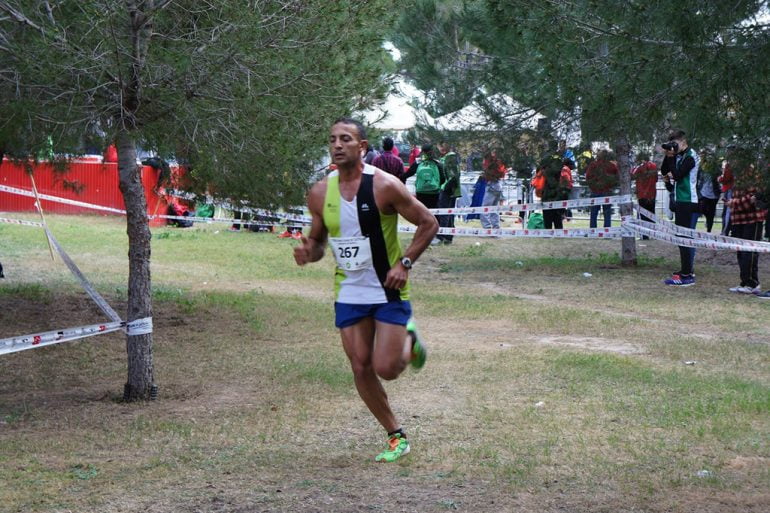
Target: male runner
[(356, 208)]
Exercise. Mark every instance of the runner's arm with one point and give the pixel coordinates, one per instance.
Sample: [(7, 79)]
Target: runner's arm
[(416, 213), (427, 227), (312, 247), (410, 172)]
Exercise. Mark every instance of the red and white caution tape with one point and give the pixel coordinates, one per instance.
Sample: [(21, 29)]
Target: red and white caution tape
[(21, 222), (654, 231), (667, 226), (548, 205), (139, 326), (90, 290), (257, 212), (56, 199), (47, 338)]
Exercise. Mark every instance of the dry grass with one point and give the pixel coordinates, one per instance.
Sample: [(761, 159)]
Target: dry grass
[(544, 391)]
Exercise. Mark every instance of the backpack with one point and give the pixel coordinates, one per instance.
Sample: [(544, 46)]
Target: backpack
[(427, 181), (535, 221)]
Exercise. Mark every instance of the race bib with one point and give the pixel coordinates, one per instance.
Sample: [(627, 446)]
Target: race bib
[(352, 253)]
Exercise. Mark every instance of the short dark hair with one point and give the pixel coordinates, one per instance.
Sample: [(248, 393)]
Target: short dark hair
[(676, 134), (427, 148), (350, 121), (387, 144)]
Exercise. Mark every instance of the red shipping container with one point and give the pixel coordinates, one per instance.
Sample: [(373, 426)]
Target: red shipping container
[(88, 180)]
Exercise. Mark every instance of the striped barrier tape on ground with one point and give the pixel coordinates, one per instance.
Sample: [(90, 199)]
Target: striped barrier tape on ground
[(47, 338), (668, 227), (574, 233), (21, 222), (548, 205)]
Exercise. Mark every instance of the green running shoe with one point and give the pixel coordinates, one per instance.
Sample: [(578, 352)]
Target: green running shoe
[(397, 447), (419, 351)]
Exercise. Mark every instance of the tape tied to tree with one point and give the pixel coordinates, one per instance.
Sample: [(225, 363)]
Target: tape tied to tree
[(139, 327)]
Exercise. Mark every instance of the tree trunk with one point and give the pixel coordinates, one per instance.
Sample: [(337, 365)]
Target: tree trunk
[(623, 153), (139, 347)]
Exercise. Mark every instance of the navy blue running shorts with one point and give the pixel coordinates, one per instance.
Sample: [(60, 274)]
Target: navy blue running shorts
[(393, 312)]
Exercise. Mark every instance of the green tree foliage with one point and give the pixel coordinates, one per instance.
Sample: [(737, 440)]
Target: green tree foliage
[(633, 68), (242, 92)]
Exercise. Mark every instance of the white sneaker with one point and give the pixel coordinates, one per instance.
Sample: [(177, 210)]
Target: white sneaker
[(735, 290), (435, 242), (749, 290)]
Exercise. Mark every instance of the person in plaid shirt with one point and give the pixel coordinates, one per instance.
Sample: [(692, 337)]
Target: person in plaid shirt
[(747, 219)]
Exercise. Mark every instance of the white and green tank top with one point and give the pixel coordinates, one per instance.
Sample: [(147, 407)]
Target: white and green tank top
[(364, 241)]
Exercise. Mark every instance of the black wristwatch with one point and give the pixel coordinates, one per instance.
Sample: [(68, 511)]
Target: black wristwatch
[(406, 262)]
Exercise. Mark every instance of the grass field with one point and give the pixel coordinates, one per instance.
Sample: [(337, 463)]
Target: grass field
[(545, 390)]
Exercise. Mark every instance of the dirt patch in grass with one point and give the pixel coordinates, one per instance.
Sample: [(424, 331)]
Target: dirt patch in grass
[(592, 343)]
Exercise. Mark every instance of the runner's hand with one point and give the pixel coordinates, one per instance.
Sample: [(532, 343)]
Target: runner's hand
[(303, 251), (396, 278)]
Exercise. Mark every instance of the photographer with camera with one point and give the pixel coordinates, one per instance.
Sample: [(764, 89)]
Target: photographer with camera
[(680, 166)]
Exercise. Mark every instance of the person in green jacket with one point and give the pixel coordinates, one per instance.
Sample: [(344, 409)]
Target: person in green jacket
[(450, 191)]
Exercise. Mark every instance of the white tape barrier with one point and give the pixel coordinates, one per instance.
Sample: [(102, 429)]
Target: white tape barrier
[(249, 222), (65, 201), (667, 226), (575, 233), (56, 199), (21, 222), (97, 298), (548, 205), (139, 326), (652, 230), (15, 344)]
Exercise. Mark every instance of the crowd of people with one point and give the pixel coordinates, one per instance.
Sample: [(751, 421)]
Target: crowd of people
[(696, 182)]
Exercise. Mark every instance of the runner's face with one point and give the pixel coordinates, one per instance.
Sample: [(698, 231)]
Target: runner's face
[(345, 145)]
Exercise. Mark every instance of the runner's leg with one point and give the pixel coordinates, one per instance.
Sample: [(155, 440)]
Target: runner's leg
[(392, 350), (358, 342)]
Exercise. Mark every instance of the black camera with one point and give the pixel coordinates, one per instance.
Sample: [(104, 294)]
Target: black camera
[(671, 146)]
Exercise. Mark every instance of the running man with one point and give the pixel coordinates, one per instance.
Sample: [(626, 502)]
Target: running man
[(356, 209)]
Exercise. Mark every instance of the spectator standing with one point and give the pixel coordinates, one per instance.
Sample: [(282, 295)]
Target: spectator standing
[(708, 189), (110, 154), (646, 175), (494, 171), (566, 153), (602, 178), (682, 169), (430, 177), (388, 162), (727, 182), (556, 187), (747, 220), (414, 154), (450, 191), (370, 155)]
